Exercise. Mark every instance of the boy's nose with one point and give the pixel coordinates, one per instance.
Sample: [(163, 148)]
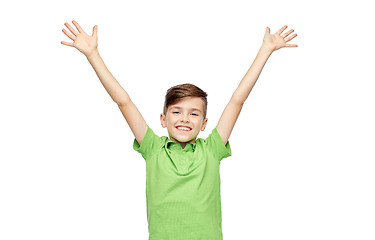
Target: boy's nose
[(184, 118)]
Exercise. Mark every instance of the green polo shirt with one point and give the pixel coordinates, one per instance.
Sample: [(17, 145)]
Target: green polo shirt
[(183, 186)]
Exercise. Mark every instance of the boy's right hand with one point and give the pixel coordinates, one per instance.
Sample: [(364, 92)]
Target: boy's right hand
[(82, 41)]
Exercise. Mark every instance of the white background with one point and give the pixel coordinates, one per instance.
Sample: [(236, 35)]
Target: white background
[(302, 164)]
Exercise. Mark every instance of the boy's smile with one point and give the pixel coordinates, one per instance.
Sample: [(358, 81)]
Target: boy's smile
[(184, 120)]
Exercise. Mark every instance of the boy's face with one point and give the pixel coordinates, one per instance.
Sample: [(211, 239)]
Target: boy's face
[(189, 113)]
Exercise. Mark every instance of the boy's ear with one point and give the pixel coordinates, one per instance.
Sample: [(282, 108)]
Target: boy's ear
[(204, 124), (162, 120)]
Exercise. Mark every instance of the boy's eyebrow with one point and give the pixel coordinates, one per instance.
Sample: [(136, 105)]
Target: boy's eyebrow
[(196, 109)]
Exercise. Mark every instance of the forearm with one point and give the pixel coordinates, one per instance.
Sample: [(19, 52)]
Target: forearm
[(114, 89), (248, 81)]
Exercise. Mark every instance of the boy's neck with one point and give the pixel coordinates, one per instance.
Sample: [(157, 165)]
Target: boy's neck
[(183, 144)]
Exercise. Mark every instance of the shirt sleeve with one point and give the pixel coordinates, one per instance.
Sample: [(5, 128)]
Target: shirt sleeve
[(149, 144), (216, 145)]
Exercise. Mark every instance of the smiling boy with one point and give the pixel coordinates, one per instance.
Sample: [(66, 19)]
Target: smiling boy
[(182, 172)]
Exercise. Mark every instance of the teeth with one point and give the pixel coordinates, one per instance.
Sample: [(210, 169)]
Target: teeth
[(184, 128)]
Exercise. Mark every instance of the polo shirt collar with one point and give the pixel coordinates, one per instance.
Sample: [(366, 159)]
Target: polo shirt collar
[(176, 146)]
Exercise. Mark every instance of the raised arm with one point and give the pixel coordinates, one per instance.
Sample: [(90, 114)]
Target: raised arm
[(231, 112), (88, 45)]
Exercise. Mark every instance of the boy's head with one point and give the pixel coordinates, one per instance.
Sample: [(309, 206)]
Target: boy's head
[(185, 105)]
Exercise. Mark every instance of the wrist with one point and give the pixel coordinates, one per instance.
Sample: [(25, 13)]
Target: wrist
[(267, 49), (92, 54)]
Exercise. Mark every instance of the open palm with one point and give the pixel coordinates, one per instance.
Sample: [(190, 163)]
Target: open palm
[(277, 41), (82, 41)]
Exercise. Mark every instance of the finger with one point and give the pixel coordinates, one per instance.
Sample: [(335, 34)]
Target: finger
[(95, 31), (282, 29), (287, 34), (68, 34), (291, 45), (71, 29), (290, 38), (67, 43), (77, 26)]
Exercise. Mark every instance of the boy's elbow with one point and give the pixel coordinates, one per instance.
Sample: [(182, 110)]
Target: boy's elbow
[(123, 102), (119, 103), (237, 101), (122, 98)]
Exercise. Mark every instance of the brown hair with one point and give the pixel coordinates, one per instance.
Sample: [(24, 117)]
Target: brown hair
[(178, 92)]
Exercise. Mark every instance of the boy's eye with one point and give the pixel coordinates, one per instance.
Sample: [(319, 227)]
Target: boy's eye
[(192, 113)]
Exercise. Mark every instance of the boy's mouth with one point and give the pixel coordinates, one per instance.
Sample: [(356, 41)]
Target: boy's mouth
[(183, 128)]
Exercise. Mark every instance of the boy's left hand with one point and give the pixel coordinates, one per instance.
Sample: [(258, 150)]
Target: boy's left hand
[(277, 41)]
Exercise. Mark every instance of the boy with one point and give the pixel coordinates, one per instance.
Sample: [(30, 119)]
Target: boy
[(182, 172)]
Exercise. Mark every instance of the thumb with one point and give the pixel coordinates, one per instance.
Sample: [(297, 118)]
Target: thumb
[(268, 30), (95, 31)]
